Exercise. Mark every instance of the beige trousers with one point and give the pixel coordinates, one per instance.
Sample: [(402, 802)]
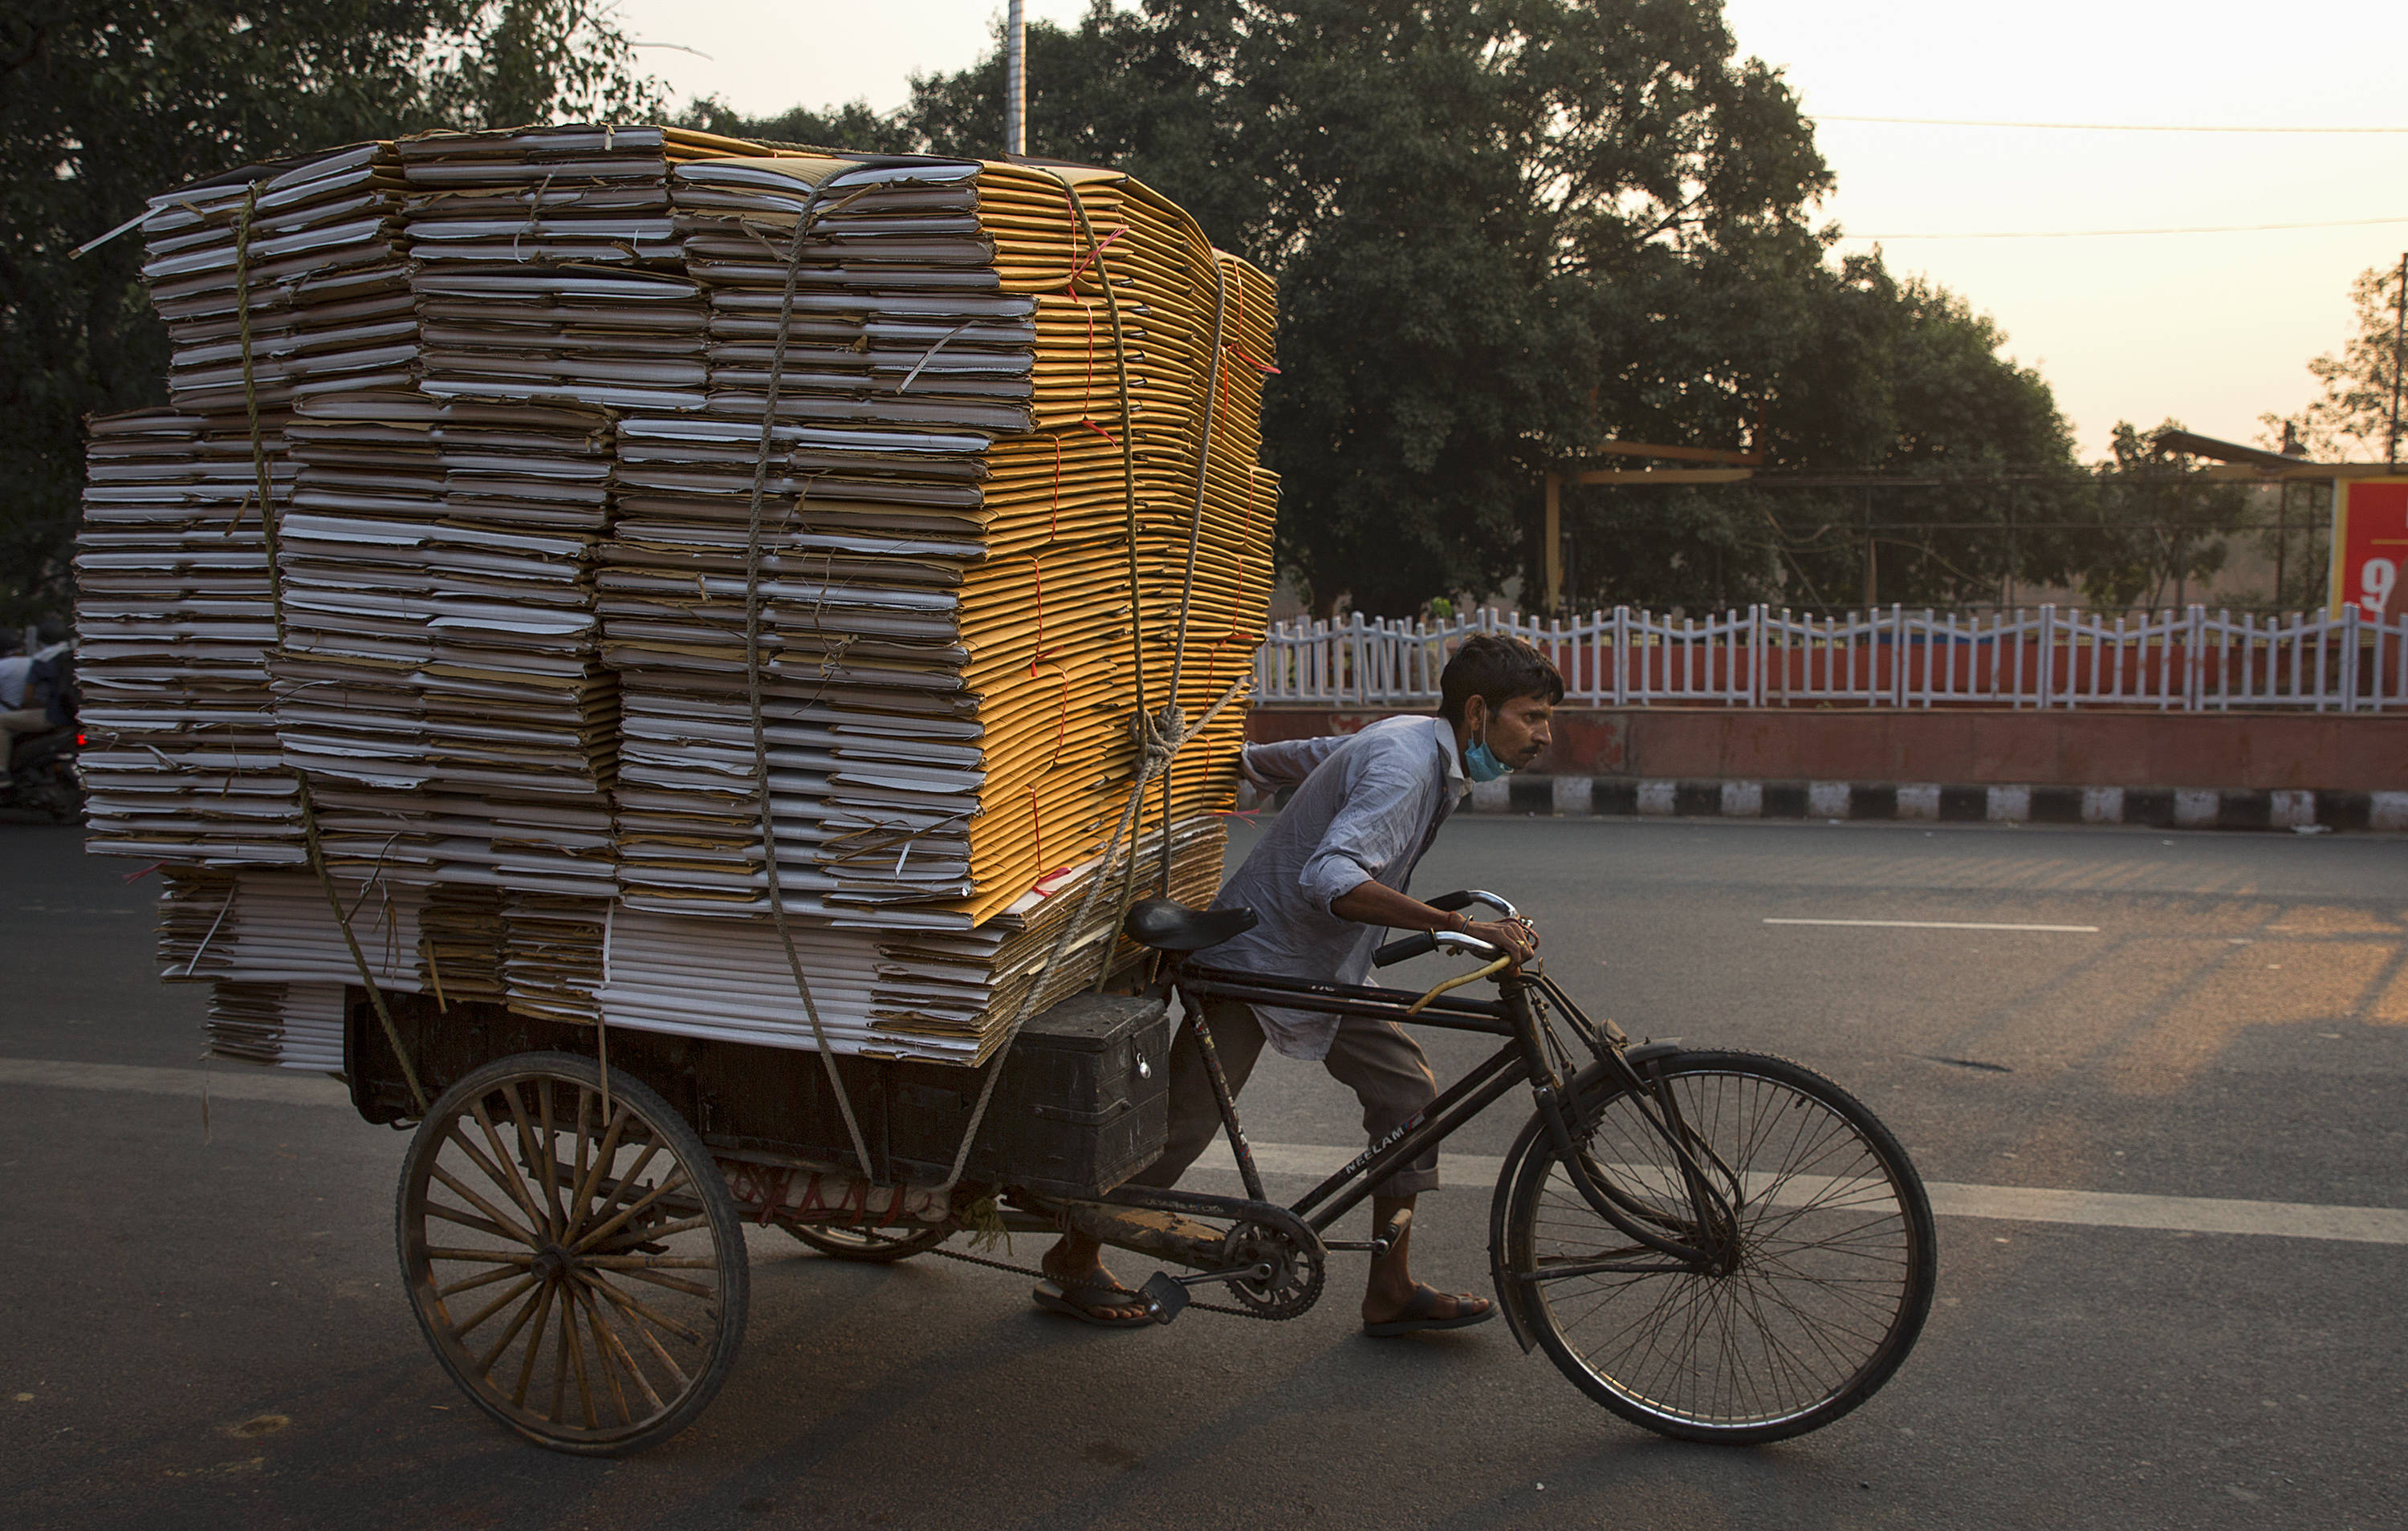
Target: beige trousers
[(1377, 1059)]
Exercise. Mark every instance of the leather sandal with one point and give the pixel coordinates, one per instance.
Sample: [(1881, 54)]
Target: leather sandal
[(1419, 1314)]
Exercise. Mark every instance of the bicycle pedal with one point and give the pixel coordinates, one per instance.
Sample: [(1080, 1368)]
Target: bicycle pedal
[(1165, 1298)]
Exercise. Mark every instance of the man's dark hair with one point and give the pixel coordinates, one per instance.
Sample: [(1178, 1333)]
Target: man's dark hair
[(1497, 669)]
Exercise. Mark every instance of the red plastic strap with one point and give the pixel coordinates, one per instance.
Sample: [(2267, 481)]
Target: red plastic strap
[(1078, 267), (1264, 367), (1038, 657), (1053, 526)]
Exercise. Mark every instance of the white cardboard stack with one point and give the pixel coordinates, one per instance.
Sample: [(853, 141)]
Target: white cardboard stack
[(175, 627)]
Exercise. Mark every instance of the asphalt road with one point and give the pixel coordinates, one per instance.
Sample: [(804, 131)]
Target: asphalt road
[(202, 1325)]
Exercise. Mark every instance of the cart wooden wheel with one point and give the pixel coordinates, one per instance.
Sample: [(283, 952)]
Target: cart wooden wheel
[(575, 1259)]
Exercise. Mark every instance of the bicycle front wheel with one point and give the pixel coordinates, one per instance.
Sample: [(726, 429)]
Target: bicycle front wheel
[(1831, 1244)]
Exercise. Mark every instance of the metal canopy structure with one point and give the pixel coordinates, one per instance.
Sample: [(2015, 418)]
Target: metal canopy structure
[(1741, 465)]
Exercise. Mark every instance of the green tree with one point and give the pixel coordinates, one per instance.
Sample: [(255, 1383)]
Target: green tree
[(2162, 529), (1493, 222), (1964, 470), (852, 125), (1507, 232), (103, 103), (2351, 416)]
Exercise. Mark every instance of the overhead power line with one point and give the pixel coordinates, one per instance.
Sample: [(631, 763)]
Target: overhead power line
[(2093, 127), (2116, 234)]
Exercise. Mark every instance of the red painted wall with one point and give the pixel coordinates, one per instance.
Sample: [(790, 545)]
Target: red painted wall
[(1960, 747)]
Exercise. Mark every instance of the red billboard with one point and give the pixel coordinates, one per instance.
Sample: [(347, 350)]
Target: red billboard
[(2370, 546)]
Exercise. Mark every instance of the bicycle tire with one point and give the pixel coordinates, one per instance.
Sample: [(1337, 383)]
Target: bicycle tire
[(1837, 1256), (868, 1246)]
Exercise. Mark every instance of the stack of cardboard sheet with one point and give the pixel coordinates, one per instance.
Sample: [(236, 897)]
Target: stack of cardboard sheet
[(268, 942), (886, 992), (540, 562), (440, 680), (175, 627), (330, 305), (948, 610), (548, 267), (936, 554)]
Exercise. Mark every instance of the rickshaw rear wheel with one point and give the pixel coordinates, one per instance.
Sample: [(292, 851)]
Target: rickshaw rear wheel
[(868, 1246), (572, 1253)]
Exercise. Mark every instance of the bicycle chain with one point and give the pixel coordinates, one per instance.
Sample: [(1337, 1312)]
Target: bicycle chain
[(1025, 1270)]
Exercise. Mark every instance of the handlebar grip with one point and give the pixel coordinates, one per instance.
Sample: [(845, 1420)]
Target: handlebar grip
[(1406, 949), (1462, 898)]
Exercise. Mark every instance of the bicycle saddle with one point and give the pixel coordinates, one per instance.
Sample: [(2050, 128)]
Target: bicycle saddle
[(1168, 927)]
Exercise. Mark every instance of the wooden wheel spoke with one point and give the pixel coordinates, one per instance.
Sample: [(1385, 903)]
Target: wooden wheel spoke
[(577, 1362), (460, 1331), (519, 1258), (574, 1301), (524, 1193), (560, 1367), (501, 1272), (604, 1363), (528, 1133), (469, 1220), (596, 1236), (589, 1172), (691, 1289), (517, 1321), (493, 1172), (535, 1348), (685, 1332), (501, 1218), (599, 1318), (618, 1189), (637, 1313)]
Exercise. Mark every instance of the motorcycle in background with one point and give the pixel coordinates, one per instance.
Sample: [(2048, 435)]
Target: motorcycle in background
[(43, 774)]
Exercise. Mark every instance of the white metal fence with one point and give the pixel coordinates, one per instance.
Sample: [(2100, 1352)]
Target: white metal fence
[(2193, 661)]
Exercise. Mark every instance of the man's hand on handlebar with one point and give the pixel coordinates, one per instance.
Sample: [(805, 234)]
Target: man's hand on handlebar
[(1517, 939)]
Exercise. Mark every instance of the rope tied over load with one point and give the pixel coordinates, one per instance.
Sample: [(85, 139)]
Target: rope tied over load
[(304, 800)]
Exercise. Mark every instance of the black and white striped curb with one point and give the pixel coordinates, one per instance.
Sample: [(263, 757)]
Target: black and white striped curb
[(2156, 807)]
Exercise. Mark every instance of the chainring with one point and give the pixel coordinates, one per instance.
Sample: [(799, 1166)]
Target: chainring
[(1298, 1271)]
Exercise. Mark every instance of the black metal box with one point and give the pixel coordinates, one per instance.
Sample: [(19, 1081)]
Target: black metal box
[(1082, 1106), (1085, 1101)]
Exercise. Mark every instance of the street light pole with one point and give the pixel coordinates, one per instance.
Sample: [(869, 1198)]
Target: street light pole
[(2399, 335), (1015, 86)]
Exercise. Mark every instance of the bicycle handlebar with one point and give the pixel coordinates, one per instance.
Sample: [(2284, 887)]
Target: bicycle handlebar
[(1435, 940), (1464, 897), (1406, 948)]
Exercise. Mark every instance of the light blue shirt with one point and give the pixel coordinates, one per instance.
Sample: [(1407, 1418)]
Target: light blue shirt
[(1367, 807)]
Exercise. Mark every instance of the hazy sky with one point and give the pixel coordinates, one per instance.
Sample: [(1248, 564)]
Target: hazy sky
[(2211, 329)]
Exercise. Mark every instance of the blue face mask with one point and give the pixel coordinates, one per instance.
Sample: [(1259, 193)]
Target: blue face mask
[(1482, 762)]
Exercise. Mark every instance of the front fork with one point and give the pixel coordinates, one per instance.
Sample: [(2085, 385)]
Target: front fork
[(1714, 1214)]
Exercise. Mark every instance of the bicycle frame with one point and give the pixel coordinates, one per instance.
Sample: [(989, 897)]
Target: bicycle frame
[(1528, 1056)]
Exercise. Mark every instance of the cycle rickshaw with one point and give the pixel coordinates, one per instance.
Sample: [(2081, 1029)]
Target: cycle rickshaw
[(1716, 1246)]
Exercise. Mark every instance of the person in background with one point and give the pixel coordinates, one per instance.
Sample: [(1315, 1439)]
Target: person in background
[(1325, 880), (30, 701)]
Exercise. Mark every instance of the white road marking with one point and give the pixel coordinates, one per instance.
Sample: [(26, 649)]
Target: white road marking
[(1939, 924), (225, 1081), (1316, 1161), (2002, 1203)]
